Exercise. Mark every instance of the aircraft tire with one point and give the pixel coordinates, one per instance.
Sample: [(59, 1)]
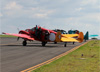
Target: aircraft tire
[(73, 43), (44, 43), (24, 43), (55, 42), (64, 45)]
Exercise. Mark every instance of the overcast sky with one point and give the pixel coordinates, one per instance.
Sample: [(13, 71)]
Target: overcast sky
[(83, 15)]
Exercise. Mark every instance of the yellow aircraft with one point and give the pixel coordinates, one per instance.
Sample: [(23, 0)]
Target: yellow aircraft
[(69, 37)]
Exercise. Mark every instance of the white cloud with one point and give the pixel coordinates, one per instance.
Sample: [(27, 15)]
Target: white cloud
[(13, 5), (1, 14), (40, 16), (13, 10), (85, 2), (79, 9), (40, 13), (91, 18)]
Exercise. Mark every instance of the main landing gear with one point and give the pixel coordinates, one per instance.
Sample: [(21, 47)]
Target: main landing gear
[(73, 43), (44, 43), (65, 44), (55, 42), (24, 43)]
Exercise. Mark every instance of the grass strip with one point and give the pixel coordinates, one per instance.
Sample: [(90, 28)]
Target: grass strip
[(84, 59)]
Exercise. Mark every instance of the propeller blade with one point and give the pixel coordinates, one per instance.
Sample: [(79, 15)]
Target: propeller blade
[(18, 38)]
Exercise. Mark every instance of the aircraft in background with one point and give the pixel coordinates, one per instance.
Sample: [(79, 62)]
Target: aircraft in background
[(94, 36), (45, 35), (62, 31), (71, 32), (86, 36)]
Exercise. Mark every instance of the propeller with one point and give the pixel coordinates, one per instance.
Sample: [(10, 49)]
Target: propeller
[(18, 37)]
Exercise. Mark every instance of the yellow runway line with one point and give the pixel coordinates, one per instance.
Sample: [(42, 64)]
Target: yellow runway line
[(49, 61)]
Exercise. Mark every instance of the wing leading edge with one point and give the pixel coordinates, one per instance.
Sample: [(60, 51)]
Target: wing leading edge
[(69, 35)]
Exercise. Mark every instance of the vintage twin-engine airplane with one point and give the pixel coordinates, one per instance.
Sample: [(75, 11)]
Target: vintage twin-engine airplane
[(45, 35)]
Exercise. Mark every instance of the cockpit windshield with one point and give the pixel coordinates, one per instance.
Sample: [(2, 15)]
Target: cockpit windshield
[(26, 30), (33, 29)]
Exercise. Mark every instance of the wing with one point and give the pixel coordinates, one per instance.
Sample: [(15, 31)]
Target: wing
[(20, 35), (69, 35), (64, 39), (69, 38)]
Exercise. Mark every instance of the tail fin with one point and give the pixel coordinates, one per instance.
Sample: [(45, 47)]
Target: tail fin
[(86, 36), (80, 37)]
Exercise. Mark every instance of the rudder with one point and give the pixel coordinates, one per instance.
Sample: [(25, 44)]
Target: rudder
[(80, 37)]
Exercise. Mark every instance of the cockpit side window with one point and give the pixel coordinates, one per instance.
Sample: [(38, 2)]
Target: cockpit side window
[(26, 30), (32, 29)]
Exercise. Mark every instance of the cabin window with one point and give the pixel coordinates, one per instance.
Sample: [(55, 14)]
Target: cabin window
[(32, 29), (27, 30)]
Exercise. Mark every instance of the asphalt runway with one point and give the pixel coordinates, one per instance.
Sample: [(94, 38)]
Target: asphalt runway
[(15, 57)]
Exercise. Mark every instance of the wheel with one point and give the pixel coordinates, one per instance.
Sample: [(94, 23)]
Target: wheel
[(44, 43), (73, 42), (24, 43), (55, 42), (64, 45)]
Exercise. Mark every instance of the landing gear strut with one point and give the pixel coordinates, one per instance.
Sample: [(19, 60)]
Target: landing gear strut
[(24, 43), (44, 43), (73, 43), (65, 44)]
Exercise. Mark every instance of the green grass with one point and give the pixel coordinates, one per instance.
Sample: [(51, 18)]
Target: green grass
[(73, 62), (6, 36)]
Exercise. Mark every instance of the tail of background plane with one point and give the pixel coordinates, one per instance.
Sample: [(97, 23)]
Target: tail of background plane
[(86, 36)]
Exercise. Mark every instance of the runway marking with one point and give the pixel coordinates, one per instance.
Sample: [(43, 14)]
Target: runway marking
[(51, 60)]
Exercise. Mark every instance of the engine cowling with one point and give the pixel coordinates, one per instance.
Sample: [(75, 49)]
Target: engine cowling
[(23, 32), (52, 37), (55, 38)]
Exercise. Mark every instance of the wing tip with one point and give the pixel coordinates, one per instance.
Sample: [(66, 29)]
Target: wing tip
[(3, 33)]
